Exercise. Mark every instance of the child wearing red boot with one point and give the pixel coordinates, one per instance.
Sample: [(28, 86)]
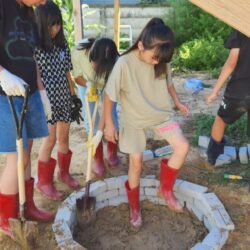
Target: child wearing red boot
[(93, 61), (141, 82), (54, 62), (18, 69)]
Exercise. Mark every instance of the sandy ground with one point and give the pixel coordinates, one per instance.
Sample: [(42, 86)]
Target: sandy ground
[(162, 229)]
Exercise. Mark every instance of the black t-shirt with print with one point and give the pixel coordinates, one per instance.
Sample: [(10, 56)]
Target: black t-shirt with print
[(17, 42), (239, 84)]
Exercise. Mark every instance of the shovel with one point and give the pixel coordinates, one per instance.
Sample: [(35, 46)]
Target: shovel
[(85, 212), (23, 231)]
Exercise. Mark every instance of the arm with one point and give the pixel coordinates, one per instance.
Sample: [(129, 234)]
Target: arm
[(81, 81), (71, 84), (171, 90), (110, 130), (226, 71), (179, 105)]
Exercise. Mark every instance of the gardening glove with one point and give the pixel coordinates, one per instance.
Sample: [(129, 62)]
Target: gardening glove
[(11, 84), (76, 109), (46, 104), (94, 142)]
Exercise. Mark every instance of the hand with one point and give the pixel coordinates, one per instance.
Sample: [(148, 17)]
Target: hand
[(11, 84), (183, 108), (111, 133), (211, 97), (95, 141), (76, 101), (46, 104)]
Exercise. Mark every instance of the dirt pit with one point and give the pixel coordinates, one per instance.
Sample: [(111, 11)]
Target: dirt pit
[(162, 229)]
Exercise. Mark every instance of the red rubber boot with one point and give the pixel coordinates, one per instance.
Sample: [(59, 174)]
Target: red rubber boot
[(31, 211), (45, 180), (134, 203), (113, 159), (9, 205), (63, 173), (168, 177), (99, 167)]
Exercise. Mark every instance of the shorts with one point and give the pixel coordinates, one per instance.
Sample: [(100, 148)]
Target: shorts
[(34, 125), (231, 109), (133, 140)]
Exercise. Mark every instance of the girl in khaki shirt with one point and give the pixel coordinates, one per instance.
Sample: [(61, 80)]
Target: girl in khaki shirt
[(141, 82)]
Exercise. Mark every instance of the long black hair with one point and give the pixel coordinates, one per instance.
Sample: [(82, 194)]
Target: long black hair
[(156, 35), (46, 16), (104, 53)]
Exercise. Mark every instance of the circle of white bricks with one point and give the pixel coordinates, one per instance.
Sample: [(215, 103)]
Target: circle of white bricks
[(111, 192)]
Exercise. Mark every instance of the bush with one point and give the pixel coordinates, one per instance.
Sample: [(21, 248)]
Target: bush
[(201, 54), (235, 133), (190, 22)]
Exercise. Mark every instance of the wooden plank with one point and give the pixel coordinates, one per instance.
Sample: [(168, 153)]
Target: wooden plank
[(233, 12), (77, 15), (117, 23)]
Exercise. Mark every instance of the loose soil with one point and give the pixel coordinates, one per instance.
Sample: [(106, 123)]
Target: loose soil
[(162, 229)]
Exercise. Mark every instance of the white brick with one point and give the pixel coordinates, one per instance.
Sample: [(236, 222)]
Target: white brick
[(62, 231), (150, 191), (114, 183), (107, 195), (64, 213), (142, 191), (123, 178), (209, 223), (222, 219), (148, 155), (222, 159), (145, 182), (230, 151), (101, 204), (185, 198), (162, 202), (216, 238), (243, 155), (116, 201), (97, 188), (149, 176), (200, 246), (122, 191), (197, 212), (203, 141), (143, 197), (190, 189), (212, 200)]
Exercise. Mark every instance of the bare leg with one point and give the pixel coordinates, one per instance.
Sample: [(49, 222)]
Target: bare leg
[(180, 148), (218, 129), (135, 168), (48, 144), (63, 137)]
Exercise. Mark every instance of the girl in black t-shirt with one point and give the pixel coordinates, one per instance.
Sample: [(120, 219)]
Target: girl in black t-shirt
[(236, 100)]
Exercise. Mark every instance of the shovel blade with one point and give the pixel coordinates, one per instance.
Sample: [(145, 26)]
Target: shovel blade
[(85, 215), (25, 233)]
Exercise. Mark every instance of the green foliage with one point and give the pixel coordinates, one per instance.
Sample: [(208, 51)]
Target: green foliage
[(201, 54), (190, 22), (66, 8), (154, 2), (234, 133), (199, 37)]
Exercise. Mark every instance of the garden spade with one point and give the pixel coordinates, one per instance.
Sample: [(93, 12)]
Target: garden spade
[(24, 232), (86, 205)]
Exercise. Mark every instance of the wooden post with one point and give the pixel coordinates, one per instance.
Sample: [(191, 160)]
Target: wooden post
[(77, 14), (117, 23)]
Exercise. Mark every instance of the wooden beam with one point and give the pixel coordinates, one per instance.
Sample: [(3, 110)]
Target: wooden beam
[(233, 12), (77, 15), (117, 23)]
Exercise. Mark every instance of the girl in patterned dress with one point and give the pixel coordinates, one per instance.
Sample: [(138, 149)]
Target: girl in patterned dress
[(54, 61)]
